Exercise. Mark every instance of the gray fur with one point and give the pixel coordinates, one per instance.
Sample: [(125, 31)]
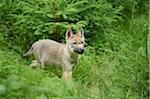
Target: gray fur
[(56, 54)]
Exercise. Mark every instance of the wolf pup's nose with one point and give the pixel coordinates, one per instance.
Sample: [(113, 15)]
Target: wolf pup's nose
[(79, 50)]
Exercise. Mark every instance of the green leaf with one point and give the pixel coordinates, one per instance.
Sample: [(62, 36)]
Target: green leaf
[(37, 32)]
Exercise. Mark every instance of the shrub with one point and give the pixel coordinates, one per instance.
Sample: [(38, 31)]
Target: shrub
[(28, 20)]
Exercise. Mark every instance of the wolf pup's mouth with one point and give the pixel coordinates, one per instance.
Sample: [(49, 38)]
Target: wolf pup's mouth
[(79, 50)]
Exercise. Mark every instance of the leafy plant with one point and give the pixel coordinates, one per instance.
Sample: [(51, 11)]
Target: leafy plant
[(36, 19)]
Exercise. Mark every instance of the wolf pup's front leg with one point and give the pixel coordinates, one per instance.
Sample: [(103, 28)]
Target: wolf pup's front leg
[(67, 74), (67, 71)]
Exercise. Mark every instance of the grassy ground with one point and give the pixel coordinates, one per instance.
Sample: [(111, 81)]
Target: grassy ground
[(115, 67)]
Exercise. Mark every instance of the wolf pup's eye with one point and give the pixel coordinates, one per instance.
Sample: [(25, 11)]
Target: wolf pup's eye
[(74, 43), (81, 42)]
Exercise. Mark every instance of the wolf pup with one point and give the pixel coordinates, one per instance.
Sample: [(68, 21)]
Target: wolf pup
[(53, 53)]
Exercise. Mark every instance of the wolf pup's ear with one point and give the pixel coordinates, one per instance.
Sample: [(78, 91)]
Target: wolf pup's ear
[(80, 32), (69, 34)]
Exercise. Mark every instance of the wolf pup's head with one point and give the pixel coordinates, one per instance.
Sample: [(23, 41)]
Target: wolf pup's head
[(75, 42)]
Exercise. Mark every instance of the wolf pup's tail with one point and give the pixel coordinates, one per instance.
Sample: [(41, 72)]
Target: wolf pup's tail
[(29, 52)]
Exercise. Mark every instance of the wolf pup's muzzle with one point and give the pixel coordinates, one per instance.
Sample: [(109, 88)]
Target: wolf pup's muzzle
[(79, 50)]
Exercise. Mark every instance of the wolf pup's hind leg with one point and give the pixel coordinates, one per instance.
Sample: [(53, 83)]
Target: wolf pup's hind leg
[(34, 63)]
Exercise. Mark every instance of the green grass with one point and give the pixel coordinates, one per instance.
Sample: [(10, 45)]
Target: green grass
[(115, 67)]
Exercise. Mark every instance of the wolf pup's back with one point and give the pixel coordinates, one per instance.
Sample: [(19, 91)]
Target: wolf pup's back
[(48, 52)]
